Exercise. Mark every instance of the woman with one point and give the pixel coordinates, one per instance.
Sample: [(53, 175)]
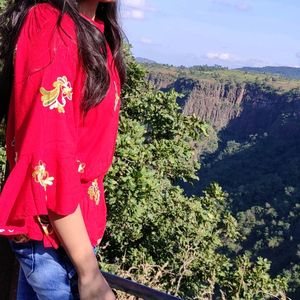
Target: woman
[(60, 90)]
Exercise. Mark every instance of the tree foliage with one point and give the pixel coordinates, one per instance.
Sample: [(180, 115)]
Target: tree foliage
[(156, 234)]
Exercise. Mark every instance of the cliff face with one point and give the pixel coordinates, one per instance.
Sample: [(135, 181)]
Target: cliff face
[(239, 109), (252, 151), (215, 102)]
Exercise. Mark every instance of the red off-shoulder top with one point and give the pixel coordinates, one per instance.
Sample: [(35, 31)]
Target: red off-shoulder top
[(57, 157)]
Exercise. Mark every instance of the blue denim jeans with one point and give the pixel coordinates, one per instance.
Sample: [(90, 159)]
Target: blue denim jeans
[(45, 273)]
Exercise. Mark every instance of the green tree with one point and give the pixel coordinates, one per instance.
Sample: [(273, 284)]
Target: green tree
[(157, 235)]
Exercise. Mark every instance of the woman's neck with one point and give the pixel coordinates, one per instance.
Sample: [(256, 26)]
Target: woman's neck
[(88, 8)]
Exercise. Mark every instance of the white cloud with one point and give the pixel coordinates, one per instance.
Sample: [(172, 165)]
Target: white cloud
[(220, 56), (240, 5), (298, 54), (135, 9), (146, 41), (135, 3), (133, 14), (234, 60)]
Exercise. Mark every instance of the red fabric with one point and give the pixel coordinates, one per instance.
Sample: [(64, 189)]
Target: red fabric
[(57, 158)]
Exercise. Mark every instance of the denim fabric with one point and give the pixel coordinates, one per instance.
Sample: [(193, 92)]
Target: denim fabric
[(45, 273)]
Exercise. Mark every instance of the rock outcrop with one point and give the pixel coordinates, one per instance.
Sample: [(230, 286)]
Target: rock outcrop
[(241, 109)]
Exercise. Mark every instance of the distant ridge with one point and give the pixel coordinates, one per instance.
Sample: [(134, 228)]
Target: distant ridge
[(283, 71), (143, 60), (288, 72)]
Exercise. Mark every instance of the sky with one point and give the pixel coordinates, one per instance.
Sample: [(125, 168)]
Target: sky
[(231, 33)]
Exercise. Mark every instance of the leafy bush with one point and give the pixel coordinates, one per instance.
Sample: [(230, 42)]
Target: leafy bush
[(157, 235)]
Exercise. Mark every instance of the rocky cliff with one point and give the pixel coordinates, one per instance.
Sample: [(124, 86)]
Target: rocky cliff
[(241, 108)]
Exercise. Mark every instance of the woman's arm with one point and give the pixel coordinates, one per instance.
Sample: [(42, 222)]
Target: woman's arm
[(73, 235)]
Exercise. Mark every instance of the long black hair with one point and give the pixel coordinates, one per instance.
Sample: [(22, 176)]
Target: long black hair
[(90, 41)]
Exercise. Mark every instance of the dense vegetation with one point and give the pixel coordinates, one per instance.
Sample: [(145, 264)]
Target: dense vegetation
[(255, 158), (157, 235), (262, 176)]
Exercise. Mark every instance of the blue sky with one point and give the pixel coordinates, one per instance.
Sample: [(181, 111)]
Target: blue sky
[(231, 33)]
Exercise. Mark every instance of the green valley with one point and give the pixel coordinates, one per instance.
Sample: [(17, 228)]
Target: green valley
[(252, 152)]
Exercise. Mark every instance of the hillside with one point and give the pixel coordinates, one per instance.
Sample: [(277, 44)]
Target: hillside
[(218, 74), (288, 72), (243, 104), (253, 152), (144, 60)]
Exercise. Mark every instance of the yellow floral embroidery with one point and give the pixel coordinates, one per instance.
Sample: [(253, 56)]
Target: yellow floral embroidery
[(41, 176), (81, 166), (62, 89), (117, 97), (94, 192)]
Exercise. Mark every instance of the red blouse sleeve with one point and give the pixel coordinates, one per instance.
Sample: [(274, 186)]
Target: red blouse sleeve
[(44, 112)]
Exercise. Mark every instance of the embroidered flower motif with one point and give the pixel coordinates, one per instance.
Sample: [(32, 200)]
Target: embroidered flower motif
[(94, 192), (41, 176), (117, 97), (62, 89), (81, 166)]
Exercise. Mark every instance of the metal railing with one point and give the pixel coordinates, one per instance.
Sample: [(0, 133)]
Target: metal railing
[(136, 289)]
